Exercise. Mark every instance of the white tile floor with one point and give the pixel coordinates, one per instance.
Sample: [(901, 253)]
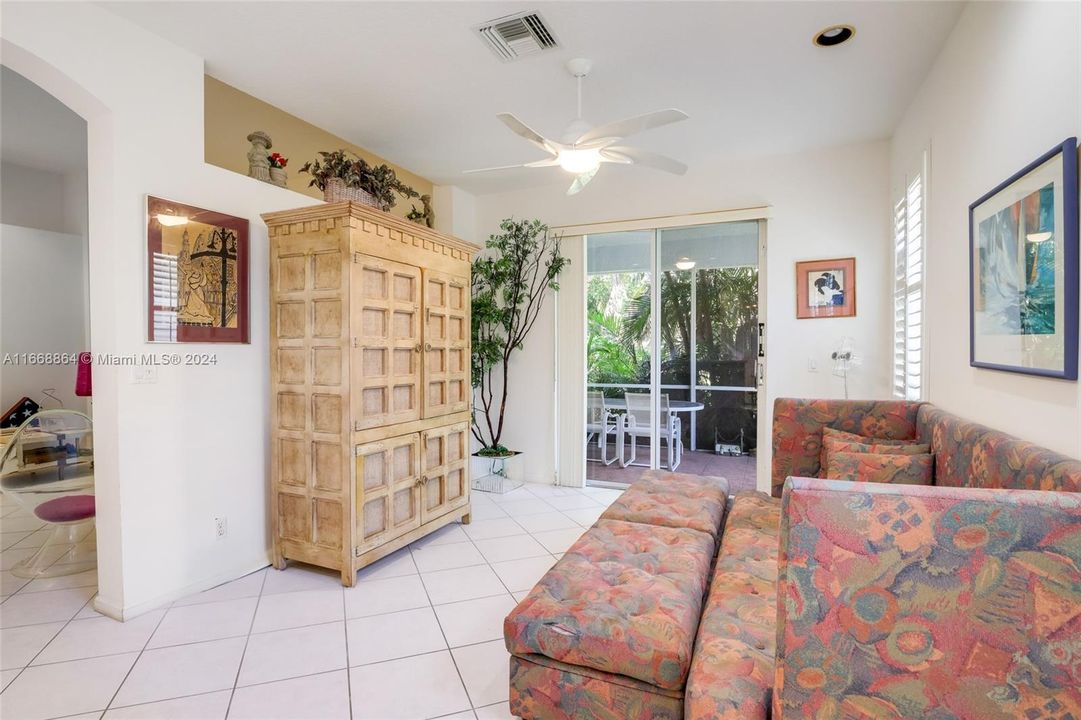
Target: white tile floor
[(420, 636)]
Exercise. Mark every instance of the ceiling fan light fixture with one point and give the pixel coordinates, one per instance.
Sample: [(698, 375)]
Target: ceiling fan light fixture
[(685, 263), (579, 161)]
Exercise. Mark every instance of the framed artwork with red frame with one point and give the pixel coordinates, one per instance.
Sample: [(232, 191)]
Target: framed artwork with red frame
[(826, 288), (197, 274)]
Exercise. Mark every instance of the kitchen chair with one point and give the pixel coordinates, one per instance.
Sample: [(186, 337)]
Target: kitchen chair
[(47, 467), (638, 423)]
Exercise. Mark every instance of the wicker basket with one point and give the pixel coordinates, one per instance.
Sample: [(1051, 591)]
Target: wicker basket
[(337, 191)]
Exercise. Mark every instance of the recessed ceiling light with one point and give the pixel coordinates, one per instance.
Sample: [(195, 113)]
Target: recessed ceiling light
[(685, 263), (834, 35)]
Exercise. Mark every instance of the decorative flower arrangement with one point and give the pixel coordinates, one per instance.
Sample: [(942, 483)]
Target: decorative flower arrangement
[(277, 161)]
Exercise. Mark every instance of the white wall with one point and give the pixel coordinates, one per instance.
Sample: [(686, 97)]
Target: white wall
[(30, 197), (1005, 89), (42, 303), (192, 446), (826, 203)]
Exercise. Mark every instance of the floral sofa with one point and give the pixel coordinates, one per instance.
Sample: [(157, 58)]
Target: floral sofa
[(829, 599)]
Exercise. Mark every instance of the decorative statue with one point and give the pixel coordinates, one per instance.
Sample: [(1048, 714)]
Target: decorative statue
[(425, 216), (258, 161)]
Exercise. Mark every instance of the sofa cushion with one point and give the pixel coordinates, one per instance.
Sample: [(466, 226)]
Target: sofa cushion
[(625, 599), (673, 500), (732, 671), (834, 445), (878, 468), (832, 437)]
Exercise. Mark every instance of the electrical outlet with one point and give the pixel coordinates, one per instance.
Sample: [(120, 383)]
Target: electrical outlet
[(221, 526), (812, 364)]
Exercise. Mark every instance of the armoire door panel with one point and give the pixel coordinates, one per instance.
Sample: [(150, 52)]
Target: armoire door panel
[(446, 343), (387, 490), (386, 308), (444, 480)]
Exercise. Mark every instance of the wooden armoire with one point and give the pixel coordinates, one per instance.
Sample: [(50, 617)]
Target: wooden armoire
[(370, 387)]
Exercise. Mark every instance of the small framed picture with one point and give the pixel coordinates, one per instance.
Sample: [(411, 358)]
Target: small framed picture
[(826, 288), (1023, 275), (197, 274)]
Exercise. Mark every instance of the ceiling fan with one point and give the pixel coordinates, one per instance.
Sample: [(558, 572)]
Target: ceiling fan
[(583, 148)]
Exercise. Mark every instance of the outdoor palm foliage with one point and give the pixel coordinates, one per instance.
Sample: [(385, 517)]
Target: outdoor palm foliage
[(618, 348)]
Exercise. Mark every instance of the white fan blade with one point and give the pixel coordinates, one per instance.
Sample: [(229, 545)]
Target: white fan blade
[(547, 162), (632, 125), (621, 154), (521, 129), (581, 181)]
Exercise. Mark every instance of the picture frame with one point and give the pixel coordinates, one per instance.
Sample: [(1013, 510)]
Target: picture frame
[(1023, 269), (826, 288), (197, 274)]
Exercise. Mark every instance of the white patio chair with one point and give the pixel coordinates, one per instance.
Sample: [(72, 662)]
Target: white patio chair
[(638, 422), (600, 421)]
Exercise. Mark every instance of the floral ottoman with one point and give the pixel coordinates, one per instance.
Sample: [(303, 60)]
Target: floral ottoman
[(609, 631)]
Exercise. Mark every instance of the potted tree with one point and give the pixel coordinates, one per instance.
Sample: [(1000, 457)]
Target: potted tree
[(343, 175), (510, 281)]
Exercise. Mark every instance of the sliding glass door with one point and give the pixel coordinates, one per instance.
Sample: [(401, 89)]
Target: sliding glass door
[(619, 353), (673, 366)]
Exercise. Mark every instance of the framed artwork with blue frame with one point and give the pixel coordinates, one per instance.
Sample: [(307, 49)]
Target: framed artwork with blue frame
[(1023, 270)]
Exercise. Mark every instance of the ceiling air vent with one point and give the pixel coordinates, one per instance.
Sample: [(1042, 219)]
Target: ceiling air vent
[(517, 36)]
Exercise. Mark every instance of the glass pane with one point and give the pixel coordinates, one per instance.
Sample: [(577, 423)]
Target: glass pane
[(618, 355), (709, 342)]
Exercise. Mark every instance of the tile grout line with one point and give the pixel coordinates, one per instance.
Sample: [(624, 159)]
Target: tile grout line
[(345, 631), (260, 632), (136, 662), (453, 660), (66, 623), (244, 652)]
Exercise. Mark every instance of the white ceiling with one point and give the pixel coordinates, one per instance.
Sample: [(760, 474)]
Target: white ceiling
[(36, 129), (411, 82)]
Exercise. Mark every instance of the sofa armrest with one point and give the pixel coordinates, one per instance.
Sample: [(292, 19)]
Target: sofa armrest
[(919, 601), (797, 429)]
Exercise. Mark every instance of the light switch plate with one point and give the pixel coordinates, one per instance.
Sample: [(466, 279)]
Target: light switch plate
[(144, 375)]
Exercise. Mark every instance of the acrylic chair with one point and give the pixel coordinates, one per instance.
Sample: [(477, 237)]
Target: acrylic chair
[(47, 468), (601, 422), (638, 423)]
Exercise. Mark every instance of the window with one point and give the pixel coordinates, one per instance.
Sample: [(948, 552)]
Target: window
[(908, 234)]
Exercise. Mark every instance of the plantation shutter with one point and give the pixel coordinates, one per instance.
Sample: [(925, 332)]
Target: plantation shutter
[(908, 291)]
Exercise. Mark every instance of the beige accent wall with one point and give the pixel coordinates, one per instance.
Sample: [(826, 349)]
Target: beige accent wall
[(230, 115)]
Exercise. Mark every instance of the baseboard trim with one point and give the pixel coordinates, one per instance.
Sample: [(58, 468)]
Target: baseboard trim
[(127, 612)]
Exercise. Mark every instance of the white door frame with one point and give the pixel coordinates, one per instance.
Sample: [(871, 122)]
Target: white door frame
[(570, 322)]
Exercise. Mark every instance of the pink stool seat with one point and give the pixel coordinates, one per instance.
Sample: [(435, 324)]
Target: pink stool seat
[(70, 508)]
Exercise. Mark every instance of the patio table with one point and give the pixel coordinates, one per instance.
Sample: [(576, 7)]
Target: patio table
[(673, 405)]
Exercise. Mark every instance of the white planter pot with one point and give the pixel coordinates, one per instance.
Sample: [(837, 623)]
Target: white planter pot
[(498, 474)]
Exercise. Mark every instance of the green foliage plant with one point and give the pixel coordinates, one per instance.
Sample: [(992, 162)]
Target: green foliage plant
[(520, 265)]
